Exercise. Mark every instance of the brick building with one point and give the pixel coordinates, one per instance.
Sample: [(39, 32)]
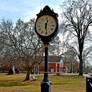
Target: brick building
[(54, 65)]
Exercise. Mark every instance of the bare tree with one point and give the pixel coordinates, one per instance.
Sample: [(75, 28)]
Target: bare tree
[(87, 56), (69, 56), (22, 41), (77, 20)]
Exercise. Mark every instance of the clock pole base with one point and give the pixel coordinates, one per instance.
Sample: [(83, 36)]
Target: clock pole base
[(45, 86)]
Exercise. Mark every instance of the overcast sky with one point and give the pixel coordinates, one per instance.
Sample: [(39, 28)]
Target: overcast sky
[(25, 9)]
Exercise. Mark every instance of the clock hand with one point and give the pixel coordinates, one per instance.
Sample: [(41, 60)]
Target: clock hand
[(46, 26)]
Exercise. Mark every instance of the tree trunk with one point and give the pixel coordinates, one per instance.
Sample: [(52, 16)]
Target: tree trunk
[(81, 65), (81, 44), (13, 69), (27, 76)]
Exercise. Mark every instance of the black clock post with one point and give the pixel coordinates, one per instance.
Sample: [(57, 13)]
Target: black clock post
[(45, 84), (46, 27)]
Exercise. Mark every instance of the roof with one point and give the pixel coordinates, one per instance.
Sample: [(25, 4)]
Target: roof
[(54, 58)]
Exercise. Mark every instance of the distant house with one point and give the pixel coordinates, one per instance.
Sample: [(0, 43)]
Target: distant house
[(54, 65)]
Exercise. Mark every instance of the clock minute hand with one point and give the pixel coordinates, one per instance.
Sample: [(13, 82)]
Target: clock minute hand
[(46, 26)]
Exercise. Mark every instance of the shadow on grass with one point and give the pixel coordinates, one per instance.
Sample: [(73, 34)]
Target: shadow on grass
[(69, 76), (60, 83), (11, 83)]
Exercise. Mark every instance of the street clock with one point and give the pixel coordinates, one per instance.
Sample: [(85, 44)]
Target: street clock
[(46, 25)]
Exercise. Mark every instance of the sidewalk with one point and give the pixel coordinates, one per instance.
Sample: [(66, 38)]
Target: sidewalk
[(87, 75)]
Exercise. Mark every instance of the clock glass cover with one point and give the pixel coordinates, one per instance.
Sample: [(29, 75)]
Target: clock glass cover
[(45, 25)]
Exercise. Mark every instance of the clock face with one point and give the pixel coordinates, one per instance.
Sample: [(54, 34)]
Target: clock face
[(45, 25)]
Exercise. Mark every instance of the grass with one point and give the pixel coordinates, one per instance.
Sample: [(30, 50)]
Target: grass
[(62, 83)]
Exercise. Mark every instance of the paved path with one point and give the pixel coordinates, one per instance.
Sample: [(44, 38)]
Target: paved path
[(87, 75)]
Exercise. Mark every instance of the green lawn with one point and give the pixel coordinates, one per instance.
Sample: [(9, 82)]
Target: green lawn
[(62, 83)]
